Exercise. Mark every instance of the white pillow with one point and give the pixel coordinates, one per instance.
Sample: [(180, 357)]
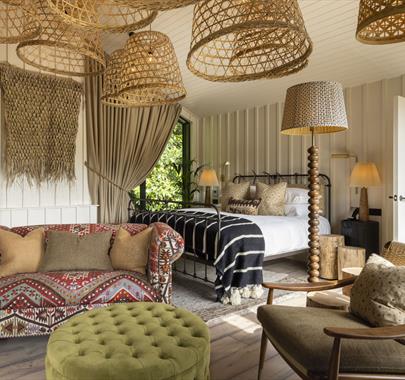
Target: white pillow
[(296, 195), (296, 209)]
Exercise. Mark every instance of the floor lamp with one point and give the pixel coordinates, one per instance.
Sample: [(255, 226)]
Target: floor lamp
[(314, 108)]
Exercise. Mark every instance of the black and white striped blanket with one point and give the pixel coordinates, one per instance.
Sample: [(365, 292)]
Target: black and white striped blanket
[(237, 255)]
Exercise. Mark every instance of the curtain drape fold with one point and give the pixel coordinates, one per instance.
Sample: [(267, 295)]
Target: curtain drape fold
[(123, 145)]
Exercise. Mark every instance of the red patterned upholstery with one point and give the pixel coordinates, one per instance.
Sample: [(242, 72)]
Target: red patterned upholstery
[(36, 303)]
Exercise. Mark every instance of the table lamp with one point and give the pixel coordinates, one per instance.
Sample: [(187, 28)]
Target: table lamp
[(364, 175), (208, 178), (314, 108)]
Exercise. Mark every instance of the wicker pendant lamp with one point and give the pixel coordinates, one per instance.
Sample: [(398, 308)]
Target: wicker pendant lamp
[(239, 40), (62, 49), (156, 5), (150, 73), (17, 21), (381, 22), (101, 14)]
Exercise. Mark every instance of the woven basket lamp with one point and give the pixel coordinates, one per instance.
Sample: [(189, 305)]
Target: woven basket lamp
[(314, 108), (150, 73), (102, 14), (17, 21), (381, 22), (62, 49), (234, 40), (156, 5)]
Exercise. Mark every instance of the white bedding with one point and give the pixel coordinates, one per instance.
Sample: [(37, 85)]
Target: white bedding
[(282, 234)]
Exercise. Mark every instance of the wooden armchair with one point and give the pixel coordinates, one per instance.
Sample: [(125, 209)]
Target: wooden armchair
[(329, 344)]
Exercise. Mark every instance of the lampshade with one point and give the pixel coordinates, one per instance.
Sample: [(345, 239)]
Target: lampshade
[(381, 21), (208, 177), (61, 48), (365, 174), (240, 40), (17, 21), (102, 14), (314, 106), (150, 73), (157, 5)]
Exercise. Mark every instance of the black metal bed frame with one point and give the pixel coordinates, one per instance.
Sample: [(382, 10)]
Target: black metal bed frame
[(144, 208)]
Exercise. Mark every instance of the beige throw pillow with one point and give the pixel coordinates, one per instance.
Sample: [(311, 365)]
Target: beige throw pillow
[(273, 198), (131, 252), (21, 254), (69, 252), (378, 294), (235, 191)]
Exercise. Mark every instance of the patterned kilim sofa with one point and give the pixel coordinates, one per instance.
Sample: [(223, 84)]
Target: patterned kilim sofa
[(37, 303)]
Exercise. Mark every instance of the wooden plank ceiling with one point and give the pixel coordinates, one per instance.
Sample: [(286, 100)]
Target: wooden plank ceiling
[(337, 56)]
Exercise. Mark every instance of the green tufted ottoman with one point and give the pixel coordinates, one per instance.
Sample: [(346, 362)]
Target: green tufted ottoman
[(137, 341)]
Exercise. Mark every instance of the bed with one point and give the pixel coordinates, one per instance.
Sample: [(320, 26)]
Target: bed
[(236, 245)]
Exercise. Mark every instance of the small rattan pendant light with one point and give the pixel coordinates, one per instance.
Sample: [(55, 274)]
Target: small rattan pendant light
[(62, 49), (17, 21), (102, 14), (239, 40), (157, 5), (381, 21), (150, 73)]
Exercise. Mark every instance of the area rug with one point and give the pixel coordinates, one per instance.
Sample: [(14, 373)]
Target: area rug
[(199, 297)]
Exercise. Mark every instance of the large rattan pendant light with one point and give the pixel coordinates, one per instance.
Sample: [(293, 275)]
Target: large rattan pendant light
[(157, 5), (150, 73), (17, 21), (102, 14), (239, 40), (62, 49), (381, 21)]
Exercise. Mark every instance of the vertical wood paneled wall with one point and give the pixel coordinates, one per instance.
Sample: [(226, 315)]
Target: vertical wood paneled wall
[(250, 139), (21, 195)]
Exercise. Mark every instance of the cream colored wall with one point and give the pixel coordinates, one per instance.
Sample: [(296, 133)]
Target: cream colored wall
[(36, 200), (250, 139)]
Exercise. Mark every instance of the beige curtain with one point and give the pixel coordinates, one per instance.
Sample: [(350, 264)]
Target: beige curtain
[(123, 145)]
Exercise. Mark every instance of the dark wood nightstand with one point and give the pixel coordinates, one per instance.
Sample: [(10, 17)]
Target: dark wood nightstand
[(362, 234)]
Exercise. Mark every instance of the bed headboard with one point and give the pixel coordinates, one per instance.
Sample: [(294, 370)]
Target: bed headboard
[(292, 179)]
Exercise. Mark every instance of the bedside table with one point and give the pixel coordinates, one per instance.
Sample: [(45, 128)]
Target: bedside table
[(362, 234)]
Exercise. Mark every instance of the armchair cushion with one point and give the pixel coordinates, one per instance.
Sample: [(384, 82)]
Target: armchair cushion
[(298, 334)]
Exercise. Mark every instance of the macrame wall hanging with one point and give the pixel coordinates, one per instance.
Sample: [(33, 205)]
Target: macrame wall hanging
[(41, 122)]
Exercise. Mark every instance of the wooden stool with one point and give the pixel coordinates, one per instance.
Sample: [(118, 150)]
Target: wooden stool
[(328, 255), (349, 257), (328, 299)]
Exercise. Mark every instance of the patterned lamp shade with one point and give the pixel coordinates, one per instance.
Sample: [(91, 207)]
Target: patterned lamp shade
[(240, 40), (317, 107), (381, 21), (156, 5), (150, 73), (18, 21)]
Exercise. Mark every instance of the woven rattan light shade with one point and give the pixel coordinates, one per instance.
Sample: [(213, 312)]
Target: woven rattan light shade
[(234, 40), (17, 21), (157, 5), (60, 48), (150, 73), (381, 21), (314, 106), (102, 14)]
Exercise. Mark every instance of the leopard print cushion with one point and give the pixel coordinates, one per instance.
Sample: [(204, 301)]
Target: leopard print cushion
[(273, 198), (378, 294), (235, 191), (243, 206)]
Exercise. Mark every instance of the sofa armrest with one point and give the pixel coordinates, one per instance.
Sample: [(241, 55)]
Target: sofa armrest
[(165, 248), (372, 333)]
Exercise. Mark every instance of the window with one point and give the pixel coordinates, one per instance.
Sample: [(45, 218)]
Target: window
[(169, 179)]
